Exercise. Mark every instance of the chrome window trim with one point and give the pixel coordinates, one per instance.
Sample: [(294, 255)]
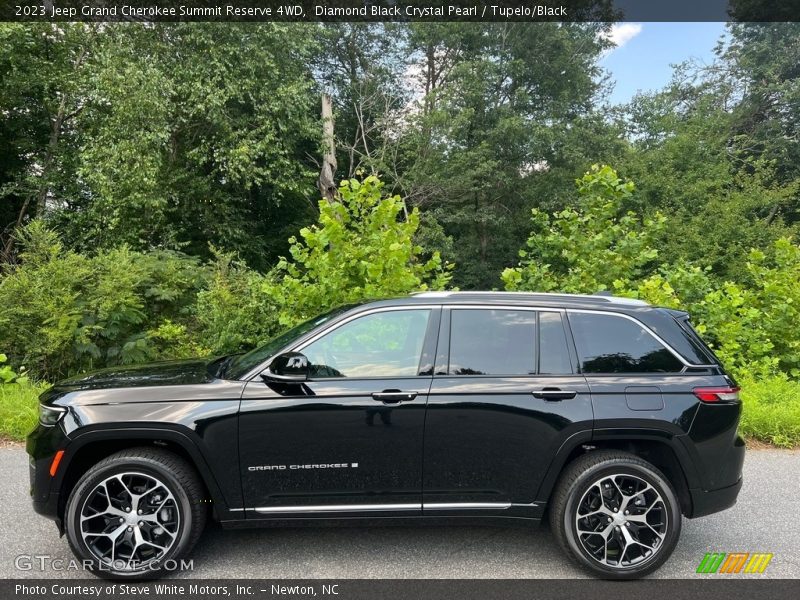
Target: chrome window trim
[(491, 306), (291, 348)]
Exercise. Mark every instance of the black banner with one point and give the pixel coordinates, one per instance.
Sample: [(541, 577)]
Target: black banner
[(398, 589), (399, 10)]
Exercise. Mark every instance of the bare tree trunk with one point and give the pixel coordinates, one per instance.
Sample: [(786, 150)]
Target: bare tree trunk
[(326, 182)]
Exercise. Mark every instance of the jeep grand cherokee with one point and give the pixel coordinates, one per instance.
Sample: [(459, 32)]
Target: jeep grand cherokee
[(608, 417)]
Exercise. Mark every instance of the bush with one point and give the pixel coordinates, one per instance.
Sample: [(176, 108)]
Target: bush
[(18, 402), (63, 313), (238, 309), (771, 410), (750, 323), (590, 248), (362, 248)]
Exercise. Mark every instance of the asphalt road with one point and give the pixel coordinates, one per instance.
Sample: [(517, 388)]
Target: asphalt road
[(764, 520)]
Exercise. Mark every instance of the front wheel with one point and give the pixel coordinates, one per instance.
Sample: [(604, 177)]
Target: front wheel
[(616, 515), (135, 514)]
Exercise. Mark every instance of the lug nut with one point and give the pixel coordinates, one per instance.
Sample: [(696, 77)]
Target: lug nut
[(616, 509), (121, 519), (130, 528), (609, 519), (627, 512), (140, 511), (141, 523), (627, 524), (127, 509)]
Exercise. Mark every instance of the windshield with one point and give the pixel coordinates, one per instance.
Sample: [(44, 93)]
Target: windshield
[(243, 363)]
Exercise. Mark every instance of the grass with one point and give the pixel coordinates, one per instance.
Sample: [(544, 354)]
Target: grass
[(771, 411), (19, 408)]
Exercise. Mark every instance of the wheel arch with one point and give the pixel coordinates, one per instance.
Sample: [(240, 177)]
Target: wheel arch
[(91, 447), (664, 452)]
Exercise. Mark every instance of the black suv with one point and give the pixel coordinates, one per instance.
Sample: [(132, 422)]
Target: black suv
[(607, 416)]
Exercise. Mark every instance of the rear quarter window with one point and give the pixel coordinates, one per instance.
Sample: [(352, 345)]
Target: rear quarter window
[(614, 344)]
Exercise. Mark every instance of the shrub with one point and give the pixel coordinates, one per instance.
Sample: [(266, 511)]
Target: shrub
[(750, 323), (62, 312), (238, 309), (589, 248), (360, 249)]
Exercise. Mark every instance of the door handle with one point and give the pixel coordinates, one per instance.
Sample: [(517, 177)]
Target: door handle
[(554, 394), (393, 396)]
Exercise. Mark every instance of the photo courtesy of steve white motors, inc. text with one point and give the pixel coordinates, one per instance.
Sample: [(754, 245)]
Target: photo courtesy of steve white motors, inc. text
[(160, 590)]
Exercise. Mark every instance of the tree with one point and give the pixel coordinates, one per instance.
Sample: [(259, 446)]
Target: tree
[(497, 104), (598, 246), (362, 248), (158, 149)]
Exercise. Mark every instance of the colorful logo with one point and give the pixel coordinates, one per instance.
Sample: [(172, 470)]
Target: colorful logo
[(734, 562)]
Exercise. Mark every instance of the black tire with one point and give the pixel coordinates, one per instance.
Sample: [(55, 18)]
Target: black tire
[(580, 484), (168, 469)]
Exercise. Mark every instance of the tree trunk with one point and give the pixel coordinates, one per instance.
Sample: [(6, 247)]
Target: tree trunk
[(326, 182)]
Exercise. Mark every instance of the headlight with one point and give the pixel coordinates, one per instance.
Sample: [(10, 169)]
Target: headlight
[(50, 415)]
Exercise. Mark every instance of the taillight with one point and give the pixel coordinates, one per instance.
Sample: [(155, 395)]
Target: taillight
[(717, 394)]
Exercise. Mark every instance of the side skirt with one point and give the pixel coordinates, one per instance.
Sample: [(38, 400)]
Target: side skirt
[(351, 521)]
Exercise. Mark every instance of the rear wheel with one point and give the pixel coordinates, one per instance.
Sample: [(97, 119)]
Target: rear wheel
[(616, 515), (135, 513)]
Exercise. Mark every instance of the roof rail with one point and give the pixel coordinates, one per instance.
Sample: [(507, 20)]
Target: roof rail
[(601, 297)]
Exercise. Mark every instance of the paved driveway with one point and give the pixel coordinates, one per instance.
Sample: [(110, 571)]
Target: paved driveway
[(764, 520)]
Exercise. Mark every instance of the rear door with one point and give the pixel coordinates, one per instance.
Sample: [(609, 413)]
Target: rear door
[(504, 398)]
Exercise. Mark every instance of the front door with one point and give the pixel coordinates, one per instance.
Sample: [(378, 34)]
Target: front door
[(349, 440), (504, 399)]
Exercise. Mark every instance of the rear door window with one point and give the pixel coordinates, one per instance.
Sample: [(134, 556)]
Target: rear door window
[(492, 342), (614, 344)]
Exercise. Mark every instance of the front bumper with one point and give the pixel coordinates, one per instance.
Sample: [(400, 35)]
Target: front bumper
[(42, 444)]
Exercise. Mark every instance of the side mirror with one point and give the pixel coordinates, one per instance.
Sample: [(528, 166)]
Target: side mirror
[(287, 368)]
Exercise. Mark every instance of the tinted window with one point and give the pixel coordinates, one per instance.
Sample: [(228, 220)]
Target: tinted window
[(611, 344), (553, 350), (240, 365), (492, 342), (384, 344)]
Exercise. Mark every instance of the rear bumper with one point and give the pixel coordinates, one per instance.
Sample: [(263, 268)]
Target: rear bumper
[(706, 502)]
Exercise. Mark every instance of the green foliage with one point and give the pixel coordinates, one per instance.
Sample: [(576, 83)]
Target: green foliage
[(8, 375), (238, 310), (63, 312), (750, 323), (771, 410), (19, 406), (361, 248), (589, 248), (159, 136)]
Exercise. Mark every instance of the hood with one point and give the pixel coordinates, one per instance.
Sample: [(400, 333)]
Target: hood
[(172, 372)]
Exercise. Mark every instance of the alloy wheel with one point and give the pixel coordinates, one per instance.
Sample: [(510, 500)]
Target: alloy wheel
[(129, 521), (621, 521)]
